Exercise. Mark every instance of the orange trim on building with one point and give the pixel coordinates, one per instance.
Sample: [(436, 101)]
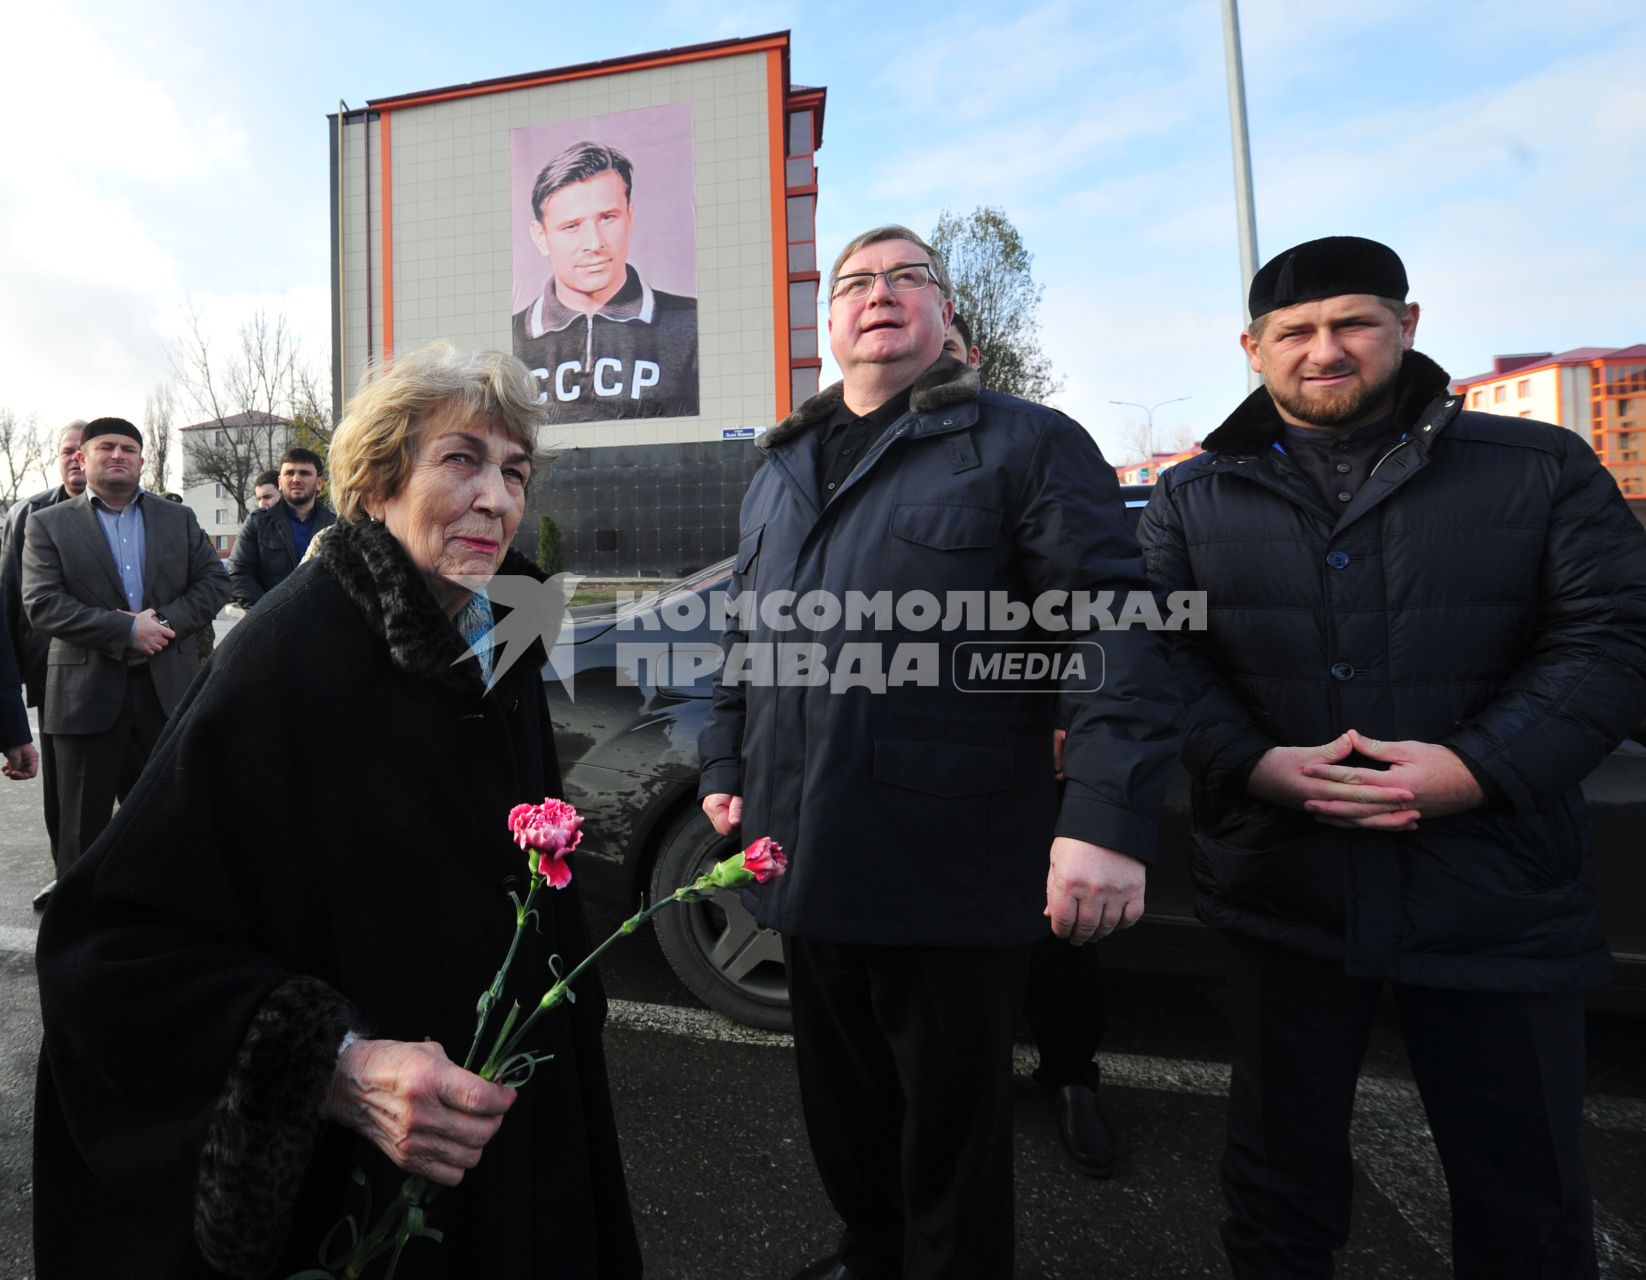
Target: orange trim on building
[(777, 108), (775, 43), (387, 216)]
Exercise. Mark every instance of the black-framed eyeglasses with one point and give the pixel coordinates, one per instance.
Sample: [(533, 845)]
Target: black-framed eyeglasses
[(909, 276)]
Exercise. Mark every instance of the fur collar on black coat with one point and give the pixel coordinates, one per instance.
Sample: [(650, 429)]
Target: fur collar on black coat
[(947, 383), (377, 575)]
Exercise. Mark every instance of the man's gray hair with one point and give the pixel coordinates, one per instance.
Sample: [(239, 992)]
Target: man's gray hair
[(894, 232)]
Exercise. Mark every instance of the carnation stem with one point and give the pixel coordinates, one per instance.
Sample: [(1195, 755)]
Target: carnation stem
[(556, 994), (374, 1243), (495, 991)]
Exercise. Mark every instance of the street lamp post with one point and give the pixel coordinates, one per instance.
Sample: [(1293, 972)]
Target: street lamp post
[(1245, 209), (1148, 412)]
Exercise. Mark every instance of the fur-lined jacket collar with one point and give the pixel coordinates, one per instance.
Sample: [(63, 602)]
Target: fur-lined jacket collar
[(380, 579), (1421, 393), (946, 384)]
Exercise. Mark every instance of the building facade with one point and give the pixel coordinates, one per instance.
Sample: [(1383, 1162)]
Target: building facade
[(503, 214), (221, 459), (1599, 392), (1149, 470)]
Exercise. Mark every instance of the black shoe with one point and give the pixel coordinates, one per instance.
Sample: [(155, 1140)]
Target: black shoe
[(825, 1269), (1085, 1134), (44, 896)]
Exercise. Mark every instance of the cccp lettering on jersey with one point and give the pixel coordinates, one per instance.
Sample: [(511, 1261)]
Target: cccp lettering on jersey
[(610, 381)]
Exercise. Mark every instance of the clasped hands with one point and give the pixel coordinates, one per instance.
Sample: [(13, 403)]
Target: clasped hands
[(1423, 780)]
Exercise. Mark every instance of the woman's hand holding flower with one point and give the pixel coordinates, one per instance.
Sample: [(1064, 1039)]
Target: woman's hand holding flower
[(432, 1117), (423, 1111)]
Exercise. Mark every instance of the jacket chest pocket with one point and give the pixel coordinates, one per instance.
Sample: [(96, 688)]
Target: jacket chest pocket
[(944, 526), (748, 550)]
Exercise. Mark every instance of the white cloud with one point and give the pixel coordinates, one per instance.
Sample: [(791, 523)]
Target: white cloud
[(89, 110), (107, 164)]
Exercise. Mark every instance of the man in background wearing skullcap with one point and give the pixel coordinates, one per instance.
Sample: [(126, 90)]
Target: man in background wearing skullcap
[(1426, 626), (112, 577)]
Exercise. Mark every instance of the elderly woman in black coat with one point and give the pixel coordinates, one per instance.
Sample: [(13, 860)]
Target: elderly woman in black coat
[(252, 983)]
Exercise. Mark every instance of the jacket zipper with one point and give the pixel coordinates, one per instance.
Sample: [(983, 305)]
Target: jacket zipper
[(1399, 445)]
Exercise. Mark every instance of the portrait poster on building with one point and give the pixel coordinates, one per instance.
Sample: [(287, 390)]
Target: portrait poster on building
[(604, 239)]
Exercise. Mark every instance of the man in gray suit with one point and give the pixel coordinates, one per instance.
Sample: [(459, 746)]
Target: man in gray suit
[(113, 578)]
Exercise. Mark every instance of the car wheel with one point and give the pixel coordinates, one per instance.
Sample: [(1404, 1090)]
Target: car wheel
[(714, 946)]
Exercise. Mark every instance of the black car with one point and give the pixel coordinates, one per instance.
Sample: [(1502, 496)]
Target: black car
[(627, 732)]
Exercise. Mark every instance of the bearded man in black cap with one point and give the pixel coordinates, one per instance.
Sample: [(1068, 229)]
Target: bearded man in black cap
[(1426, 627), (112, 578)]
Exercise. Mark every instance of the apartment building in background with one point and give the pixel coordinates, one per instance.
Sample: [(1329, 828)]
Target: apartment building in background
[(1599, 392), (1148, 471), (221, 459)]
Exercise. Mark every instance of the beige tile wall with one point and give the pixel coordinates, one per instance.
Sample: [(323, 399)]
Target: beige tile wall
[(450, 171)]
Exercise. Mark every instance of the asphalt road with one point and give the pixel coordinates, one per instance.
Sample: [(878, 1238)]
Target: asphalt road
[(722, 1178)]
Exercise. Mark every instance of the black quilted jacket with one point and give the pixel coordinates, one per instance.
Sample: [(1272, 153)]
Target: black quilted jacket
[(1486, 589)]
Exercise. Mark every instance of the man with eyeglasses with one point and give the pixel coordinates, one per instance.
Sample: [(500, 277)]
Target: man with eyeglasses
[(912, 793)]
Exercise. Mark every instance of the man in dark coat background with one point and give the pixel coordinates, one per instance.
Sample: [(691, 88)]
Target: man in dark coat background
[(274, 539), (16, 742), (28, 644), (1426, 627), (917, 808)]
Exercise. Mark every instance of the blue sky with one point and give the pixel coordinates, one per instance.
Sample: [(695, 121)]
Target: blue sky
[(174, 153)]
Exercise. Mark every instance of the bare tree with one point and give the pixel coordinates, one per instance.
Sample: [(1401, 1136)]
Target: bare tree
[(253, 399), (159, 411), (24, 449), (1139, 443), (311, 415), (995, 290)]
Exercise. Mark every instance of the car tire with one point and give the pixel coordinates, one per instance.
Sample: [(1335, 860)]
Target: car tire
[(714, 946)]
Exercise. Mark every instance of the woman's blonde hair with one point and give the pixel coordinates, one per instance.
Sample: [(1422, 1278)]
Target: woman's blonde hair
[(375, 446)]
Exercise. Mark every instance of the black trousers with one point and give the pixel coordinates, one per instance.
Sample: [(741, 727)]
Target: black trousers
[(905, 1063), (1501, 1078), (48, 793), (1065, 1010), (96, 769)]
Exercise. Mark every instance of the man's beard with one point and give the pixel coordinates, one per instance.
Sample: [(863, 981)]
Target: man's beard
[(1336, 410)]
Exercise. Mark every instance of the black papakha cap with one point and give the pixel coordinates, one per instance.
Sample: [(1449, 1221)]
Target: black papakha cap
[(110, 427), (1324, 269)]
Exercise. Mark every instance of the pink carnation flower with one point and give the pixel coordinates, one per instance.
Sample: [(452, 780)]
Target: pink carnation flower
[(551, 830), (765, 859), (554, 868)]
